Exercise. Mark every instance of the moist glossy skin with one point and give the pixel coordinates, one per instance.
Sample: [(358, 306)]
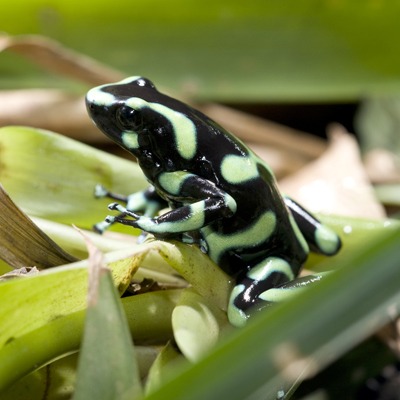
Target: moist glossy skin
[(221, 195)]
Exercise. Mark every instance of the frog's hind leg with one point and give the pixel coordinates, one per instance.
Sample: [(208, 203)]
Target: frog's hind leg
[(251, 287), (269, 282), (320, 238)]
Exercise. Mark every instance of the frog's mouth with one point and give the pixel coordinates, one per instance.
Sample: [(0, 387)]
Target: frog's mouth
[(100, 115)]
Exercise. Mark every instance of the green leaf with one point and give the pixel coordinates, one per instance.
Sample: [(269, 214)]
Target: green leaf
[(300, 337), (266, 50), (198, 325), (168, 357), (41, 316), (49, 336), (197, 268), (53, 177), (356, 234), (47, 382), (107, 366)]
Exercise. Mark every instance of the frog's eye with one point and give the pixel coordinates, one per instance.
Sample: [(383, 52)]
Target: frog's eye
[(129, 119)]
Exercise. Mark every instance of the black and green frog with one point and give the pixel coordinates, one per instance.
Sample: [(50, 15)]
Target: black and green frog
[(220, 194)]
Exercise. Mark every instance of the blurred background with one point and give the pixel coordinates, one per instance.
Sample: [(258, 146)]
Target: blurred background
[(305, 64), (299, 65)]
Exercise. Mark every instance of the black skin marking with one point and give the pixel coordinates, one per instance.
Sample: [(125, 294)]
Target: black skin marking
[(156, 151)]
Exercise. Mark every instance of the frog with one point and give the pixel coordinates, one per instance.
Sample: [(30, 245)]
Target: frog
[(219, 194)]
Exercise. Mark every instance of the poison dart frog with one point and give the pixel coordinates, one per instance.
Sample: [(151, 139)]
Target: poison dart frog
[(221, 195)]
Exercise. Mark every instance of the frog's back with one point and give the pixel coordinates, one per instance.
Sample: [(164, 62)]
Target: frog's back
[(261, 219)]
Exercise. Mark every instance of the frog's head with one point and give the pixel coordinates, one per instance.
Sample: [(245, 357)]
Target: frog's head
[(152, 126), (120, 110)]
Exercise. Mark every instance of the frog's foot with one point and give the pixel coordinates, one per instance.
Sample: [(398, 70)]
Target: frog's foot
[(123, 210), (101, 227), (319, 237), (120, 218), (269, 282), (101, 192)]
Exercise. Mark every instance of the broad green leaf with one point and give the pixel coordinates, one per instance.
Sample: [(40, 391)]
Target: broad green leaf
[(56, 381), (169, 356), (356, 234), (197, 268), (36, 309), (47, 382), (53, 177), (262, 50), (43, 315), (107, 367), (149, 319), (299, 337), (198, 325)]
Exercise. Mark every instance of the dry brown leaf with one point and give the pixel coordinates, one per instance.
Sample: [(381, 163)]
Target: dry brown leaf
[(50, 109), (336, 183), (258, 130), (53, 109), (54, 57), (382, 166), (22, 243), (281, 161)]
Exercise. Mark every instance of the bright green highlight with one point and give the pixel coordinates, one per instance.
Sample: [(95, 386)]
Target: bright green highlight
[(184, 130), (275, 295), (259, 232), (193, 222), (236, 316), (130, 140), (172, 182), (326, 239), (272, 264), (238, 169), (100, 98)]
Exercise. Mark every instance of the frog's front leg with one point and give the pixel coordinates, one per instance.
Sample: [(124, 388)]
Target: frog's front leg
[(146, 201), (199, 201), (320, 238)]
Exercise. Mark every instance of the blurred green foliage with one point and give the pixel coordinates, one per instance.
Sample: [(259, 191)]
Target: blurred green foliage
[(260, 50)]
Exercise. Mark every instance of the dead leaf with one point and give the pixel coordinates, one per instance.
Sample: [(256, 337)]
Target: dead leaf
[(54, 57), (382, 166), (22, 243), (336, 183), (19, 273), (49, 109)]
